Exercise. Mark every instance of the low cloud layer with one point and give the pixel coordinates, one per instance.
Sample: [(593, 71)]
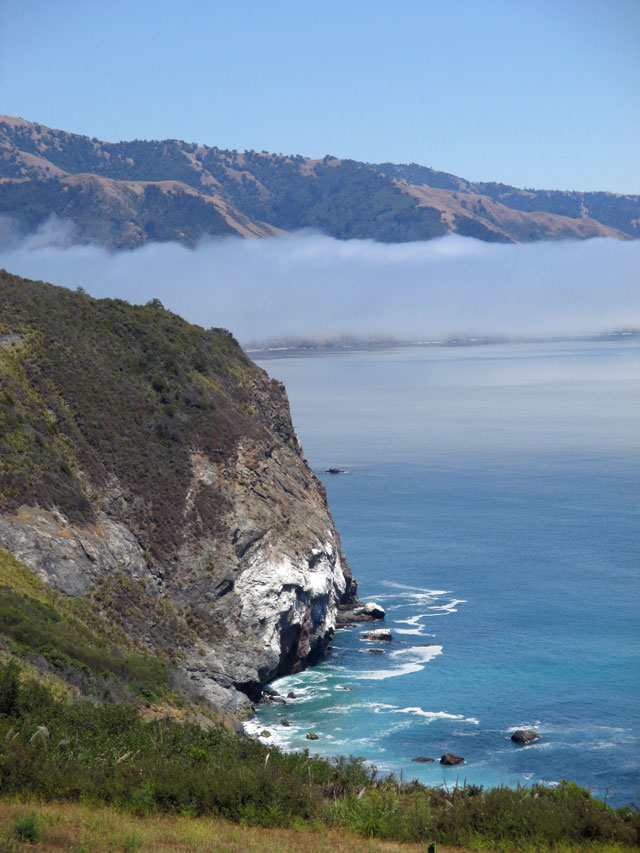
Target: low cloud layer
[(310, 284)]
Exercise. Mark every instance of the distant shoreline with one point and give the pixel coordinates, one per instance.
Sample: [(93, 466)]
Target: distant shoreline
[(297, 347)]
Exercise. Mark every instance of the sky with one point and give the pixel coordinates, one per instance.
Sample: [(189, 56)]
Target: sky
[(534, 93)]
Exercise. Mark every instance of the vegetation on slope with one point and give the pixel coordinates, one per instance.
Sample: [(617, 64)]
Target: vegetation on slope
[(97, 389), (69, 644)]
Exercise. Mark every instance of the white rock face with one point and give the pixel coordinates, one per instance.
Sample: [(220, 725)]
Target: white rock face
[(283, 596)]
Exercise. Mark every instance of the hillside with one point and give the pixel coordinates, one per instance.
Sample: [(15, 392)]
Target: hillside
[(614, 211), (150, 473), (128, 193)]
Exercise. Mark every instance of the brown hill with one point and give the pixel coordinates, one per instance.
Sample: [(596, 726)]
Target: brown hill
[(471, 214), (127, 193)]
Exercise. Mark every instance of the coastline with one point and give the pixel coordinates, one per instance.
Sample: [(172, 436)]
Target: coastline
[(259, 351)]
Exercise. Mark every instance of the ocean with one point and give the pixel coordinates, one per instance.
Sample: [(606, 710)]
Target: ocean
[(491, 507)]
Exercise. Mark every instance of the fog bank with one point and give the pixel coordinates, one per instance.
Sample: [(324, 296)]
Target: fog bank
[(310, 284)]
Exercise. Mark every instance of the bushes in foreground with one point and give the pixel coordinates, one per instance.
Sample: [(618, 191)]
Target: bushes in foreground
[(538, 818), (106, 754)]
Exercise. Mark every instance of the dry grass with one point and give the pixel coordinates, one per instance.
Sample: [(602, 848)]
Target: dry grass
[(75, 828)]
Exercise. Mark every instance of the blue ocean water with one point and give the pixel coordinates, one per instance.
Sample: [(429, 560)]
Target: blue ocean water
[(491, 507)]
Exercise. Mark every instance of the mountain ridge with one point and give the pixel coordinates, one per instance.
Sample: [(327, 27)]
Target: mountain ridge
[(125, 194)]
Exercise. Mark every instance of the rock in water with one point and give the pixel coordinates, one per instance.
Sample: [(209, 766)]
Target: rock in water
[(311, 736), (374, 610), (523, 736), (422, 760), (450, 759), (379, 634)]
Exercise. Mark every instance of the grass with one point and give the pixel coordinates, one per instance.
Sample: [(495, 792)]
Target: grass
[(77, 827)]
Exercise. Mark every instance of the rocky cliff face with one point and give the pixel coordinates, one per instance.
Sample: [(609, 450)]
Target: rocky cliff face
[(149, 467)]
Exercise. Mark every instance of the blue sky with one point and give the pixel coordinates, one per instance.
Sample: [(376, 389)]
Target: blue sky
[(529, 92)]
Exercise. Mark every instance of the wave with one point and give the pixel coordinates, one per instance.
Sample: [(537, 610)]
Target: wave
[(415, 629), (534, 726), (447, 608), (279, 736), (422, 655), (435, 715), (420, 589), (413, 621), (417, 632)]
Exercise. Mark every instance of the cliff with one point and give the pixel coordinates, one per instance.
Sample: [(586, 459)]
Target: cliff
[(150, 471)]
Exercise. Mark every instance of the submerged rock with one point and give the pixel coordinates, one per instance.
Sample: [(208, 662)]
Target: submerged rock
[(269, 698), (379, 634), (376, 651), (449, 758), (422, 760), (523, 736)]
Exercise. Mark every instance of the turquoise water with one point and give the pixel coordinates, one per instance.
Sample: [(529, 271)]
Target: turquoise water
[(491, 507)]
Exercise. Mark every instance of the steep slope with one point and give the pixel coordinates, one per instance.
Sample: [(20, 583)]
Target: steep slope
[(150, 469), (127, 193)]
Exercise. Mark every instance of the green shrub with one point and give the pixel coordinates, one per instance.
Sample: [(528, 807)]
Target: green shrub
[(9, 688), (131, 842), (27, 828)]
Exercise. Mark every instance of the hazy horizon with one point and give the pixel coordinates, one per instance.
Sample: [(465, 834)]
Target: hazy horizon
[(313, 285)]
